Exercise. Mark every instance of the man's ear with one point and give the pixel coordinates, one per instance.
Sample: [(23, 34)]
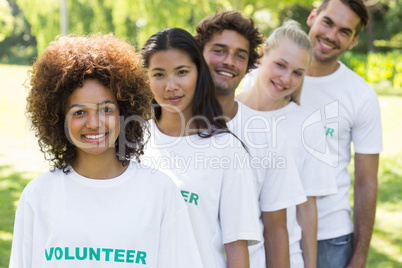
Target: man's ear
[(311, 17), (354, 42)]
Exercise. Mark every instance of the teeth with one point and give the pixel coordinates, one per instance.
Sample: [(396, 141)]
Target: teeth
[(174, 98), (280, 87), (326, 46), (95, 136), (226, 74)]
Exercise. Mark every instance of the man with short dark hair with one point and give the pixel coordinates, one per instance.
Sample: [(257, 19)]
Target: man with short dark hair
[(229, 43), (351, 113)]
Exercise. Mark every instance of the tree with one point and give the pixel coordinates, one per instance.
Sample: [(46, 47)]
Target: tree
[(19, 46), (43, 16), (137, 20), (6, 20), (63, 17)]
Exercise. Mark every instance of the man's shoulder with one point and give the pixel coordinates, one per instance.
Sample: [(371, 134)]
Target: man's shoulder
[(354, 78), (344, 81)]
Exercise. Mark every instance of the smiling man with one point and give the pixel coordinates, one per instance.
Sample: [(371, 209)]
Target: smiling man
[(228, 63), (350, 111), (229, 43)]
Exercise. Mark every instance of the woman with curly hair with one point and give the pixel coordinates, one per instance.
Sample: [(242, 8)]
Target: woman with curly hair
[(88, 102), (191, 142)]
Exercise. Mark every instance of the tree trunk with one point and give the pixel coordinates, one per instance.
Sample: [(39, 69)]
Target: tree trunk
[(370, 30), (63, 17)]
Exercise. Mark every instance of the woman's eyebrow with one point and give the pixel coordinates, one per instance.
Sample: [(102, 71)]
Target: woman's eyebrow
[(84, 106)]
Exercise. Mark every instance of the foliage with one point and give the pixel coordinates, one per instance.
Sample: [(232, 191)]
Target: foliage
[(43, 16), (376, 67), (6, 19), (393, 17), (298, 13), (11, 185), (19, 47), (137, 20)]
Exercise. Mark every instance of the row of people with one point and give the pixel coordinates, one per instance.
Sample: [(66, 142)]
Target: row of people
[(260, 183)]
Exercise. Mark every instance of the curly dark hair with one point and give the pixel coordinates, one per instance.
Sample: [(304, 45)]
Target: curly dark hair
[(231, 20), (64, 66)]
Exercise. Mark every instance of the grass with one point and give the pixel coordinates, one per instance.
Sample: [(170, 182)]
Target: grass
[(21, 160), (386, 245), (11, 185), (18, 145)]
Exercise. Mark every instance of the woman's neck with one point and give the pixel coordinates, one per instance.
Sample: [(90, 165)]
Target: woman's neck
[(176, 124), (257, 100), (105, 166)]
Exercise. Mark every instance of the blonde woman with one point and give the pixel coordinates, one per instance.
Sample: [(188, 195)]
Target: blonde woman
[(275, 93)]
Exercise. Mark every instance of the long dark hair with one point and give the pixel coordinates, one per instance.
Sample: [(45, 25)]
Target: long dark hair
[(205, 104)]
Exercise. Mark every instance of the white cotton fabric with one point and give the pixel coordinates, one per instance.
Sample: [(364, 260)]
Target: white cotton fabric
[(348, 108), (137, 219), (218, 184), (308, 146), (249, 80), (278, 182)]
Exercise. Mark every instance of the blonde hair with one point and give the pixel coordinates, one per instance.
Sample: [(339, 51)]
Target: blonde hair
[(292, 31)]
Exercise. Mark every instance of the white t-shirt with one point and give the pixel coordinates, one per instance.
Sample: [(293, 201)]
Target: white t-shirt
[(137, 219), (278, 181), (348, 108), (249, 80), (308, 145), (218, 184)]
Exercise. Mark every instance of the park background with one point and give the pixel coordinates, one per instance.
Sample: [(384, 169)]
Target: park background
[(27, 27)]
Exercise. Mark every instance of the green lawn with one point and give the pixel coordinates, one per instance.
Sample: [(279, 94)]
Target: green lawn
[(20, 161), (386, 245)]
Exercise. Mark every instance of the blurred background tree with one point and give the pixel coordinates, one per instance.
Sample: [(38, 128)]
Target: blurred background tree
[(6, 19), (27, 26), (17, 44)]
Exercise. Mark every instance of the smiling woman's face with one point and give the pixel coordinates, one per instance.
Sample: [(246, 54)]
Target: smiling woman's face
[(92, 119), (282, 69), (173, 78)]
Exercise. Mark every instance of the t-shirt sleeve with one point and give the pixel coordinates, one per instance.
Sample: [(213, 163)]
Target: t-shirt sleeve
[(367, 129), (282, 187), (178, 246), (238, 209)]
